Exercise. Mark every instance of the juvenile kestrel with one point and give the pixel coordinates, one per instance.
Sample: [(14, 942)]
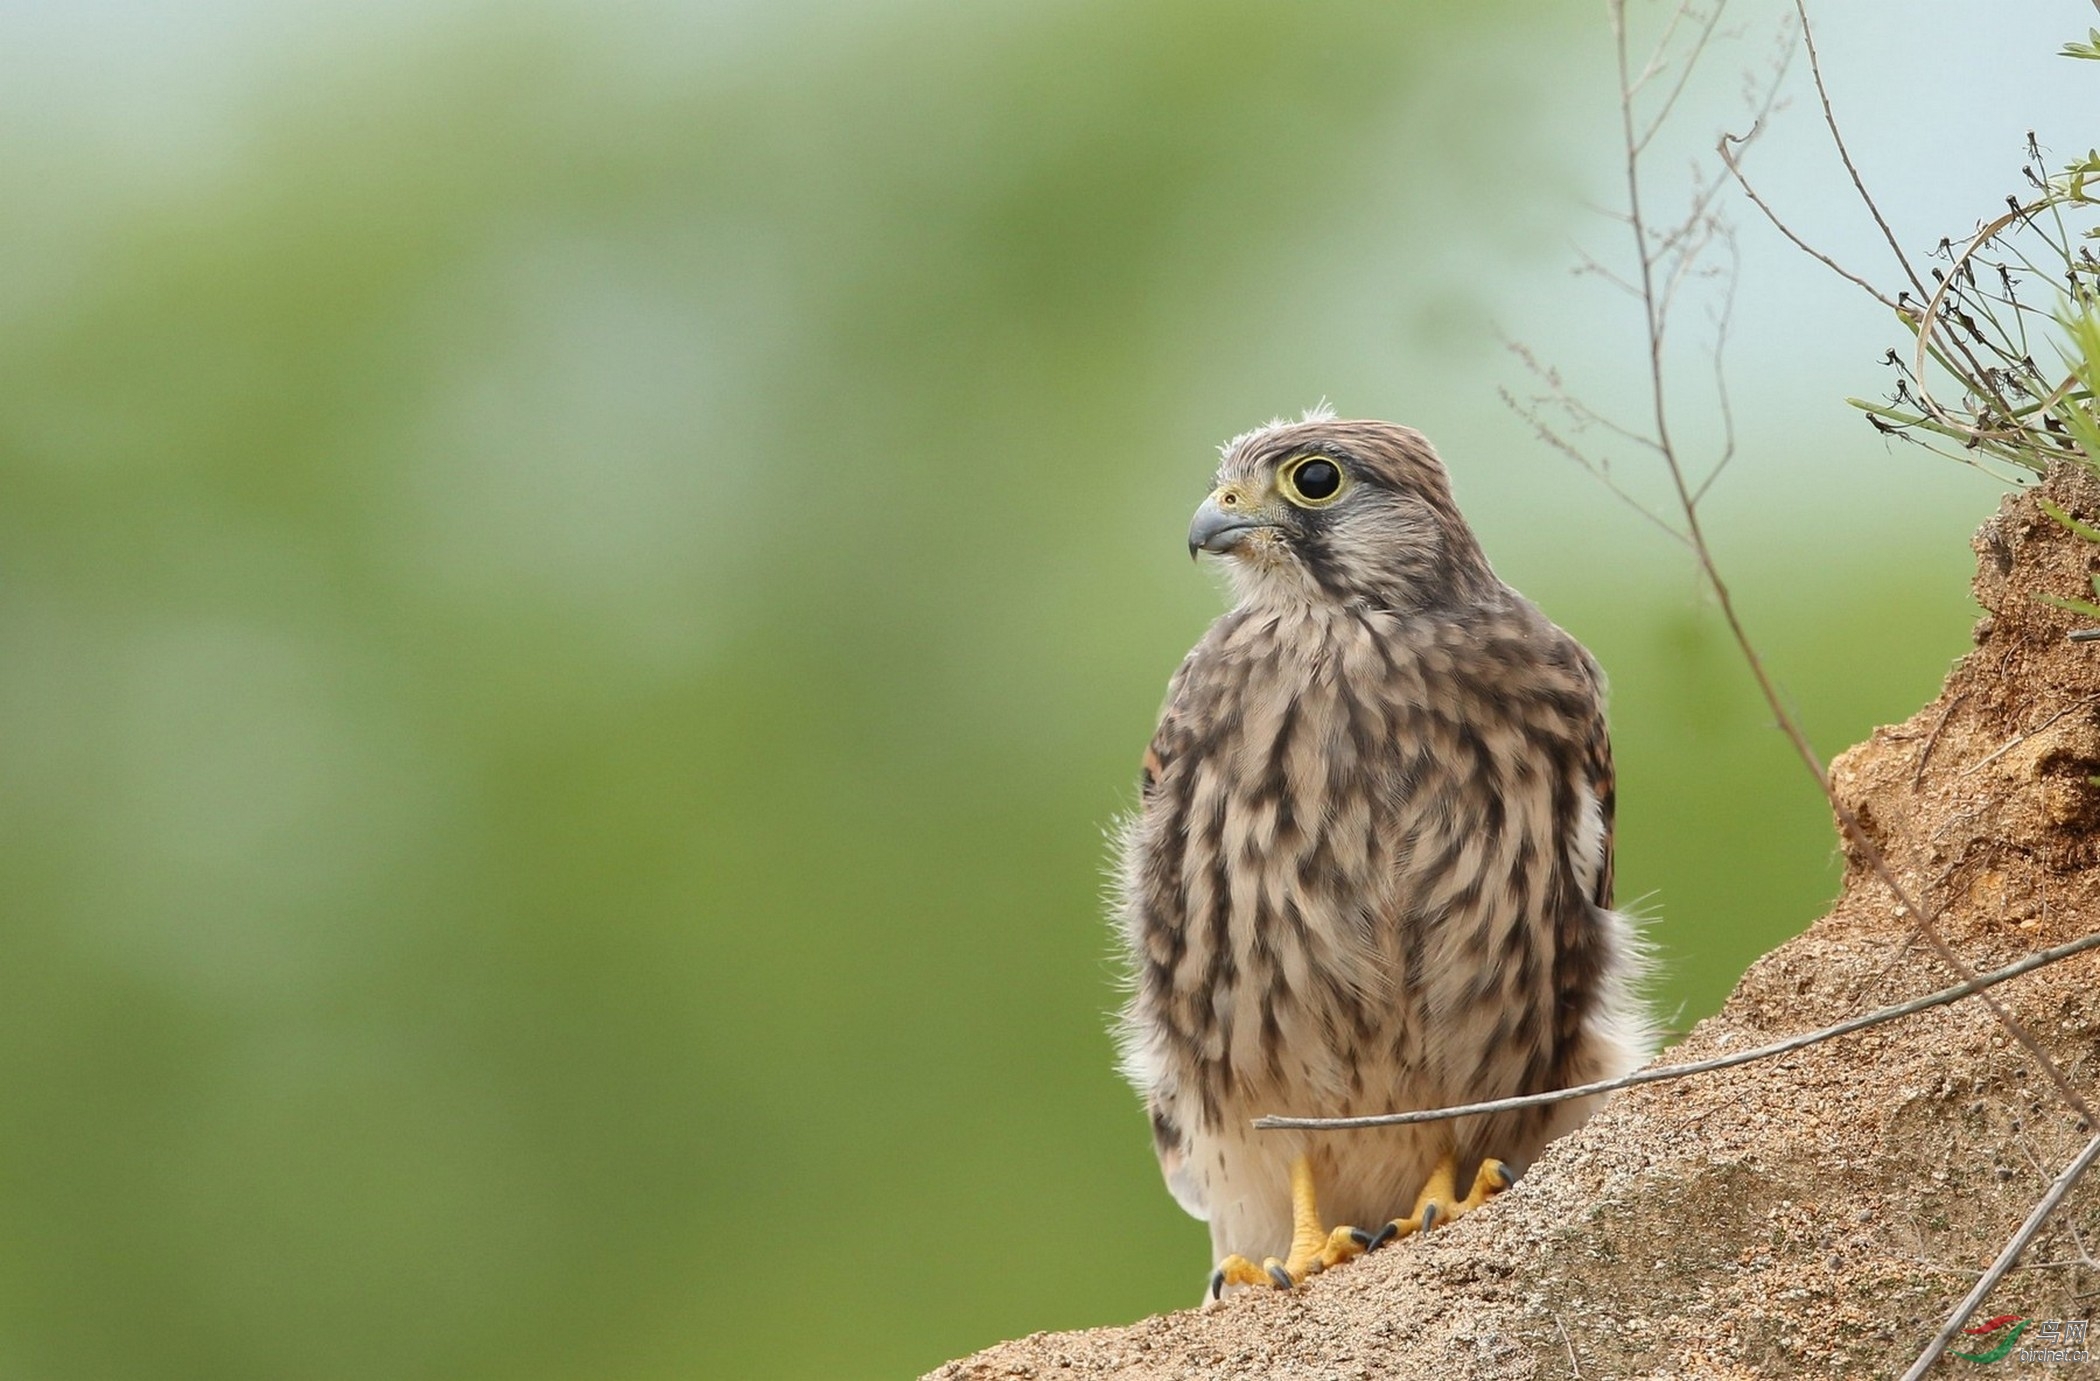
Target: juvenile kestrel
[(1372, 868)]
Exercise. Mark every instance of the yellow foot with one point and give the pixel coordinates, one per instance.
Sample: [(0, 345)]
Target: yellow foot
[(1439, 1204), (1313, 1248), (1343, 1244)]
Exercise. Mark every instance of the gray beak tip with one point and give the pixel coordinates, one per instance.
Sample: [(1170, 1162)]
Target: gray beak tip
[(1215, 530)]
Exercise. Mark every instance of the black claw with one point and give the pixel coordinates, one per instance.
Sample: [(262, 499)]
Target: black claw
[(1364, 1239), (1429, 1217), (1281, 1277), (1217, 1283), (1507, 1175), (1385, 1235)]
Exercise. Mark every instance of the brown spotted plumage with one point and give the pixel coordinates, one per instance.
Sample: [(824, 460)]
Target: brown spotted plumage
[(1372, 866)]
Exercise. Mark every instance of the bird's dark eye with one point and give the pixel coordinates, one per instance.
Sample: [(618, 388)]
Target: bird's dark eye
[(1312, 481)]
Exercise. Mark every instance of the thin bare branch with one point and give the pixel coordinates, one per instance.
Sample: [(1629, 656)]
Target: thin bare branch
[(1684, 266), (1932, 740), (1728, 160), (1924, 921), (1660, 1073), (1837, 137), (1593, 267), (2019, 739), (1684, 70), (1579, 412), (1659, 55), (1722, 318), (1665, 263), (1574, 1364), (1599, 471), (2058, 1189), (1695, 218), (1976, 374)]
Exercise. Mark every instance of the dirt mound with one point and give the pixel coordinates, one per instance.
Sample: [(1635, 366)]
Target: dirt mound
[(1815, 1214)]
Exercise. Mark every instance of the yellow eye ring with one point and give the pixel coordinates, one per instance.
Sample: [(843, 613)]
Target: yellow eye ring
[(1312, 481)]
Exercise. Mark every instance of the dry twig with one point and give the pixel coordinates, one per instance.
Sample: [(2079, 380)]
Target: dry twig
[(1659, 1073), (1574, 1363), (2019, 739), (2060, 1187), (1924, 921)]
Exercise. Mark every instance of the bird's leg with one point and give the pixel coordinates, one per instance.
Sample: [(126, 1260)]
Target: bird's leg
[(1439, 1204), (1313, 1248)]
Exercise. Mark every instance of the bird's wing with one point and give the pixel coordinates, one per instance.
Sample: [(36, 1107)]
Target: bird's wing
[(1590, 848), (1169, 1140)]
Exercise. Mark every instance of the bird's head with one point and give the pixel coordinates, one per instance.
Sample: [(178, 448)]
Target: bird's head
[(1327, 511)]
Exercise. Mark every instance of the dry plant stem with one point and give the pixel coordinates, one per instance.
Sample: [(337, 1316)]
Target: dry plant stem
[(1815, 68), (1932, 740), (1659, 1073), (1923, 319), (1654, 306), (1728, 161), (1655, 299), (2019, 739), (1880, 221), (1931, 313), (1924, 922), (2060, 1187), (1722, 317), (1574, 1363), (1560, 443)]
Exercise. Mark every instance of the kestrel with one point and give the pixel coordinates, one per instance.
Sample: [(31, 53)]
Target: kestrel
[(1372, 867)]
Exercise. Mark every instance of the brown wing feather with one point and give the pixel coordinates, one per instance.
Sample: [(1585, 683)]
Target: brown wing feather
[(1604, 786)]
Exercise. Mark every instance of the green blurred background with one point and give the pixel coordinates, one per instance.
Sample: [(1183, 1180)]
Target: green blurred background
[(578, 589)]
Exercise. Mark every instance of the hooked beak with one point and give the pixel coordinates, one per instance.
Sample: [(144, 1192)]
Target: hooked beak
[(1223, 521)]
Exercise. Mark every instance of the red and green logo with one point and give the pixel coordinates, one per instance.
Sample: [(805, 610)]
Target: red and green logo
[(2006, 1328)]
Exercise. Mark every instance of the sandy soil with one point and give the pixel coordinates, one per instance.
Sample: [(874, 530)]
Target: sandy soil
[(1812, 1215)]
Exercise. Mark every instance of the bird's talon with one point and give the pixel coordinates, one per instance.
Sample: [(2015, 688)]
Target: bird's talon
[(1439, 1204), (1238, 1270), (1315, 1248), (1344, 1243)]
